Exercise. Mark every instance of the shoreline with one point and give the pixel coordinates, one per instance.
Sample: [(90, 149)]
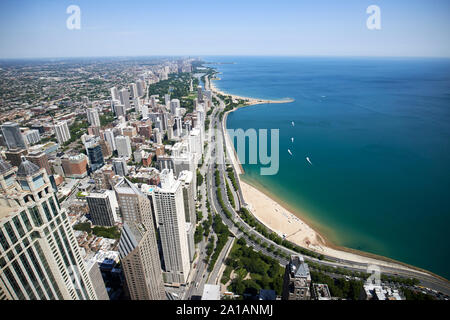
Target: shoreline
[(287, 218), (250, 101)]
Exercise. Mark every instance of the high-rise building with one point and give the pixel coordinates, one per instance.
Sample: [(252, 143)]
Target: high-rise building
[(125, 98), (138, 246), (140, 84), (120, 110), (120, 167), (169, 207), (14, 156), (75, 166), (12, 135), (109, 137), (114, 94), (199, 94), (96, 158), (123, 145), (93, 117), (32, 137), (40, 159), (188, 187), (174, 106), (39, 254), (102, 208), (133, 91), (297, 280), (62, 132), (95, 275)]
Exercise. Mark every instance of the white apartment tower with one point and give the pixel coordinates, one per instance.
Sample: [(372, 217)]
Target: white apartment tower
[(62, 132), (169, 207), (123, 145), (93, 117)]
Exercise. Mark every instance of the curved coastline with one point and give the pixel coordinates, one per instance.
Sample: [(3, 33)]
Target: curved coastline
[(327, 246)]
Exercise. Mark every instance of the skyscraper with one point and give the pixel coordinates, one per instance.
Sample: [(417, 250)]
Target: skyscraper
[(93, 117), (102, 208), (109, 137), (120, 167), (125, 98), (138, 246), (32, 137), (95, 155), (133, 91), (172, 228), (40, 258), (174, 105), (123, 145), (62, 132), (114, 94), (12, 135)]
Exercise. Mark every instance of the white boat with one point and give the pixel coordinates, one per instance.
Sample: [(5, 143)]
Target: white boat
[(293, 124), (292, 139), (290, 152), (307, 159)]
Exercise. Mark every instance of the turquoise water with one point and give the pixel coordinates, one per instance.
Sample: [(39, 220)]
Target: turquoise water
[(377, 132)]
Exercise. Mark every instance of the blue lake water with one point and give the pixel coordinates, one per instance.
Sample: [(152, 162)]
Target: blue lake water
[(377, 132)]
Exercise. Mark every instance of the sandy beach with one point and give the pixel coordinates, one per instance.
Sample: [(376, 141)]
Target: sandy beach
[(250, 101), (284, 222)]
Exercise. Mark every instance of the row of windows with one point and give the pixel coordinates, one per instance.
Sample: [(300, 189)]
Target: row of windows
[(23, 225)]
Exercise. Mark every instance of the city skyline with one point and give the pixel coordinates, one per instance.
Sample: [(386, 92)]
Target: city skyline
[(133, 28)]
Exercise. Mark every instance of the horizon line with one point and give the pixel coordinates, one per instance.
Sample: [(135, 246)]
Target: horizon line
[(224, 55)]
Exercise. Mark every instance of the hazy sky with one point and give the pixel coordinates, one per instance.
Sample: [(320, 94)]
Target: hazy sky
[(37, 28)]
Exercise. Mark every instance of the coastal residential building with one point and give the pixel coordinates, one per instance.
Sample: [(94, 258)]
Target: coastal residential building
[(103, 208), (169, 208), (297, 280), (62, 132), (138, 246), (12, 135), (39, 255)]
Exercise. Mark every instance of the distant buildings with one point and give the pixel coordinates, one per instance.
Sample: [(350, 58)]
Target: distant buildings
[(297, 280), (39, 255), (62, 132), (12, 135)]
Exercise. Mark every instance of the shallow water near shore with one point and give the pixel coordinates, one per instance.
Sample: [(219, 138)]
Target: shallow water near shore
[(377, 134)]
